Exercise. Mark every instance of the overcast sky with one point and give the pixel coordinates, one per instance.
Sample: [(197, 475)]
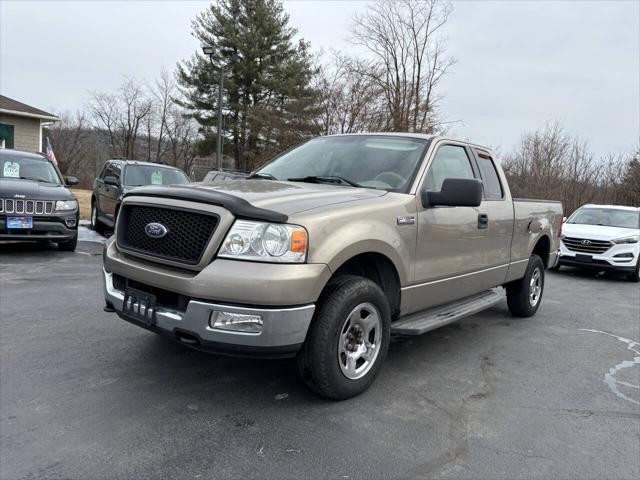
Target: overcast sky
[(520, 64)]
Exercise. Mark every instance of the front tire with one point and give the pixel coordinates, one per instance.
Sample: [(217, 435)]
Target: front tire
[(635, 276), (96, 224), (68, 245), (348, 339), (524, 295)]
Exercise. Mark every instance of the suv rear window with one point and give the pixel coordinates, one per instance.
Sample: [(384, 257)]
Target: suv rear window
[(137, 175)]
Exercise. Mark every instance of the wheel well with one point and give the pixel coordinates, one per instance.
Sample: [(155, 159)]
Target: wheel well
[(378, 268), (542, 249)]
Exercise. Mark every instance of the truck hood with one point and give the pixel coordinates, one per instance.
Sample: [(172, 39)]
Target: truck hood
[(287, 198), (596, 232), (33, 190)]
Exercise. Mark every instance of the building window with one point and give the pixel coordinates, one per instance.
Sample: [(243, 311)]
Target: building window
[(6, 135)]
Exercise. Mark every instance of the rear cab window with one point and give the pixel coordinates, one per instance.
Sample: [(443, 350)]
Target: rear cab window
[(490, 180)]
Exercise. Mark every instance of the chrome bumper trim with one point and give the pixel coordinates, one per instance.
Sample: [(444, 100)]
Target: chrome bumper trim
[(281, 326)]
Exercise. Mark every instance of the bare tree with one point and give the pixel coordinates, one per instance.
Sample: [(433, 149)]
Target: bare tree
[(349, 100), (408, 59), (122, 115), (551, 164), (70, 138)]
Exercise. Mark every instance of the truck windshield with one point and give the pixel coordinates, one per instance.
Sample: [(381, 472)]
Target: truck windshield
[(609, 217), (24, 168), (371, 161), (138, 175)]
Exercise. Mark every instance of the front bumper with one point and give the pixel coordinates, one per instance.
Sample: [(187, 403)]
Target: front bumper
[(283, 330), (609, 260), (44, 228)]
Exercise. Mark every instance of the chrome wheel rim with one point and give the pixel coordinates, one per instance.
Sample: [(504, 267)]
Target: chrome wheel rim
[(535, 287), (359, 341), (94, 215)]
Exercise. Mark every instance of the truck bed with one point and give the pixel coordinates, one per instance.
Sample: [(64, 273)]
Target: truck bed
[(532, 216)]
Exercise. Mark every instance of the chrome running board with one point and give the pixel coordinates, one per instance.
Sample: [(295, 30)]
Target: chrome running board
[(426, 320)]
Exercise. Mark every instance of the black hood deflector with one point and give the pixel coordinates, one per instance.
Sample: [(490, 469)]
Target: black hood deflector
[(239, 207)]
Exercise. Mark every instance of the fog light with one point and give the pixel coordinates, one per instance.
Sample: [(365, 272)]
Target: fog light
[(237, 322), (70, 222), (624, 257)]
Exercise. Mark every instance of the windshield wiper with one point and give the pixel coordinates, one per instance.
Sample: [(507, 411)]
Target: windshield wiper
[(266, 176), (325, 179), (35, 179)]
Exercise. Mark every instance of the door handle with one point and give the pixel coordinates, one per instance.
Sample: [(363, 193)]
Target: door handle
[(483, 220)]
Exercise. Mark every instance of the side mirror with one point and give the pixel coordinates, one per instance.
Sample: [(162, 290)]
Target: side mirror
[(71, 181), (455, 192), (109, 180)]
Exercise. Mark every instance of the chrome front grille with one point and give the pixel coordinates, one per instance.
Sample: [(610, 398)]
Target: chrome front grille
[(26, 207), (586, 245)]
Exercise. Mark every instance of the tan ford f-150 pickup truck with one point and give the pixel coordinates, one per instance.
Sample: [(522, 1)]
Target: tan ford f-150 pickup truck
[(329, 249)]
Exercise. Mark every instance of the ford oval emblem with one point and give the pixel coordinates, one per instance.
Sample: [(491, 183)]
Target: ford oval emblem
[(155, 230)]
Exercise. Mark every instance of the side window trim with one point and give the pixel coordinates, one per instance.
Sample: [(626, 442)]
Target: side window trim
[(473, 161)]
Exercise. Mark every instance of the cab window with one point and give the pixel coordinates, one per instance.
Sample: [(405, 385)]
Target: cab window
[(450, 161), (103, 172), (113, 170), (490, 180)]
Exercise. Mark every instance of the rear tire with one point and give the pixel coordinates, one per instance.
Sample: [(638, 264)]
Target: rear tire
[(96, 224), (68, 245), (635, 276), (524, 295), (348, 338)]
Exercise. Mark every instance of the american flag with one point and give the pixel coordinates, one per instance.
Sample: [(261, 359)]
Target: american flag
[(50, 153)]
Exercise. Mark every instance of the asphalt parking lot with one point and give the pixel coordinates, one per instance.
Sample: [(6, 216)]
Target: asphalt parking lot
[(85, 395)]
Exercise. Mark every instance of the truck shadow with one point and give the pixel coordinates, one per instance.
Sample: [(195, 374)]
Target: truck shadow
[(25, 247), (205, 377), (235, 379)]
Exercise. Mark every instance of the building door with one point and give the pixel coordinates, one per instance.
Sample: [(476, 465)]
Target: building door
[(6, 135)]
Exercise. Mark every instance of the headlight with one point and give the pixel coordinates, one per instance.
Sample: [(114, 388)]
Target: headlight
[(66, 205), (631, 239), (265, 242)]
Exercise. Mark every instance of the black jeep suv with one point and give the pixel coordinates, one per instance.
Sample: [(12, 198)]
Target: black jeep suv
[(117, 177), (35, 203)]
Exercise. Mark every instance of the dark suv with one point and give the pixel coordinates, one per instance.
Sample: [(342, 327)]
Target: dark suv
[(117, 177), (35, 203)]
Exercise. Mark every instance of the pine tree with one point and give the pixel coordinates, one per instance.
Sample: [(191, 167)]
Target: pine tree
[(268, 102)]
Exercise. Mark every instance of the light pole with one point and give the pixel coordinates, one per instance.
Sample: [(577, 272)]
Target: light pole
[(209, 51)]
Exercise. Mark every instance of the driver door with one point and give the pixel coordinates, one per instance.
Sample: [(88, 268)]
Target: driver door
[(450, 251)]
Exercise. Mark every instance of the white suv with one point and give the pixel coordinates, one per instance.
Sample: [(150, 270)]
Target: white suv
[(602, 237)]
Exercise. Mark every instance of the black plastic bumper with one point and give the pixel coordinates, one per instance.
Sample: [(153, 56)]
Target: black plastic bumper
[(50, 228), (596, 265)]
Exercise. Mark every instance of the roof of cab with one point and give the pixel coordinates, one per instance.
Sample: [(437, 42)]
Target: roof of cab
[(139, 162), (421, 136)]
